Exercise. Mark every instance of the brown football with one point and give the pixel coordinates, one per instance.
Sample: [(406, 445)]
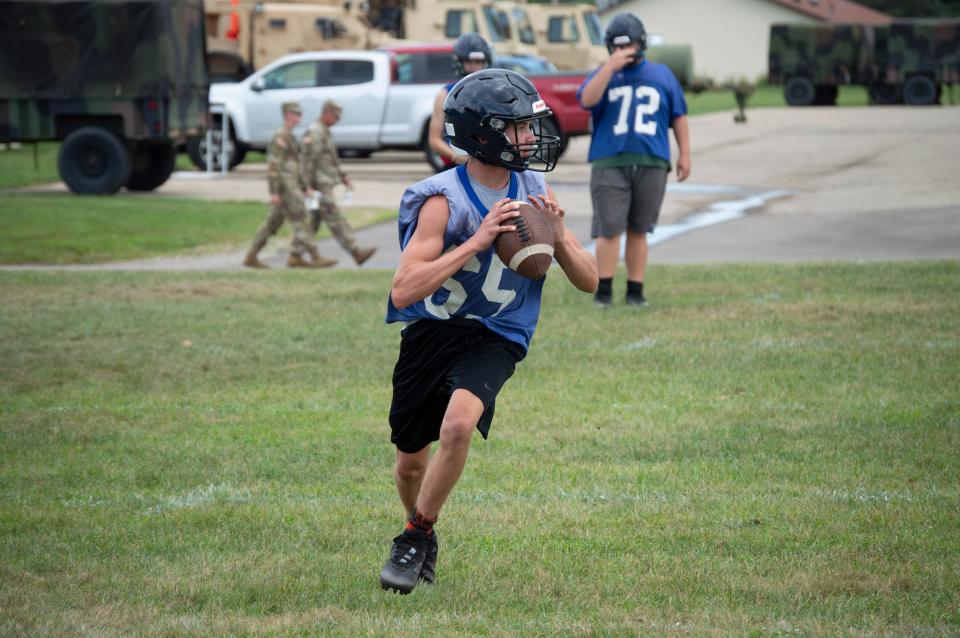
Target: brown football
[(528, 250)]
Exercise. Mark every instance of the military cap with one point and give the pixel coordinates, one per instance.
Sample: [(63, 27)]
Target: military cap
[(292, 107), (333, 107)]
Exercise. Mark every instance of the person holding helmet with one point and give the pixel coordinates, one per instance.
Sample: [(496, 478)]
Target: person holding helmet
[(633, 103), (470, 53), (468, 318)]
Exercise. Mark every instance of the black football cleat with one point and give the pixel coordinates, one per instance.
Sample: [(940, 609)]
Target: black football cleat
[(429, 572), (402, 570), (636, 299), (603, 299)]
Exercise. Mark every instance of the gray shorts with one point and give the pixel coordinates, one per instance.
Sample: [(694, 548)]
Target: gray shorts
[(626, 196)]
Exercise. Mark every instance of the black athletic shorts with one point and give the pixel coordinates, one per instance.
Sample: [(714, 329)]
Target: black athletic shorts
[(436, 358)]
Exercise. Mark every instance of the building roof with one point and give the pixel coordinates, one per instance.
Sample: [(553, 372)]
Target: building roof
[(837, 11), (826, 10)]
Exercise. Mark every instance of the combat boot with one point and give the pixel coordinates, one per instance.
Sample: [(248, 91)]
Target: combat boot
[(296, 261), (323, 262), (318, 261), (251, 261), (360, 255)]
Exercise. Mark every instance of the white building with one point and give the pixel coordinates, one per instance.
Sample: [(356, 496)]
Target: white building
[(730, 38)]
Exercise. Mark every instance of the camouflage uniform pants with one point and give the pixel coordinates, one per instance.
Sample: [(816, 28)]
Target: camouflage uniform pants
[(290, 208), (329, 213)]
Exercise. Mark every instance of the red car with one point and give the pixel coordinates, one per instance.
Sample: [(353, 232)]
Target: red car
[(432, 63)]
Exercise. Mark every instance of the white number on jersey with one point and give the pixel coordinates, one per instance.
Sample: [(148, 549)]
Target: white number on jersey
[(645, 107), (458, 294)]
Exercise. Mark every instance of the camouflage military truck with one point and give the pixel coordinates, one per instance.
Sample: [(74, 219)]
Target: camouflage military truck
[(905, 61), (812, 60), (914, 59), (120, 83)]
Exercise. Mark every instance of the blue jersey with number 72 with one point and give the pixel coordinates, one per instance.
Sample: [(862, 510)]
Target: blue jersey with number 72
[(636, 112), (484, 289)]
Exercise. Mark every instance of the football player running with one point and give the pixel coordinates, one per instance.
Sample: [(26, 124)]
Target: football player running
[(468, 318), (633, 102)]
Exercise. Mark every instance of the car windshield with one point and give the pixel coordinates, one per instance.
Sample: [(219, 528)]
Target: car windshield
[(498, 24), (524, 29), (459, 22), (593, 27), (563, 29)]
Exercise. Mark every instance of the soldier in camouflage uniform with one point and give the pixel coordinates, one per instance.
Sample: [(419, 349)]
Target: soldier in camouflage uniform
[(320, 170), (286, 198)]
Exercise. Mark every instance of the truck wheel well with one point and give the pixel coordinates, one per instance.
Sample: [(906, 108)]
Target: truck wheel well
[(67, 124), (216, 122)]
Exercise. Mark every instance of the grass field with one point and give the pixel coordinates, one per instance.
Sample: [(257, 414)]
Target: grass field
[(765, 96), (766, 451), (61, 228), (29, 164)]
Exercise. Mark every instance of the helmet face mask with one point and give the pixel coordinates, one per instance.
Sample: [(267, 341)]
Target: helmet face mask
[(518, 144), (497, 116)]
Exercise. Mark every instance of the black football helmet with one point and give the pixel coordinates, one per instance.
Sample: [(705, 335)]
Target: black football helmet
[(481, 108), (625, 28), (470, 47)]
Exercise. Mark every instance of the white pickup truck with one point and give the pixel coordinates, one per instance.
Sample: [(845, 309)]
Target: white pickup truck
[(387, 100)]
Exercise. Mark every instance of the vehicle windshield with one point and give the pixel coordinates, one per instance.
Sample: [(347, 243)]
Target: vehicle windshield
[(460, 21), (593, 27), (563, 28), (524, 28), (498, 24)]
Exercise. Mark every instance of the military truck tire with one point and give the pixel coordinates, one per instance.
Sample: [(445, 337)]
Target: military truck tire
[(885, 94), (151, 166), (799, 91), (920, 90), (93, 161), (197, 150)]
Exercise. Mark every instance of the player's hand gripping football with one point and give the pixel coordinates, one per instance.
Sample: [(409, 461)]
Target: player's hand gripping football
[(495, 223), (552, 211)]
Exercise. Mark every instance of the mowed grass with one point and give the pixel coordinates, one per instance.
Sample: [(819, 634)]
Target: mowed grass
[(184, 163), (765, 95), (61, 228), (29, 164), (766, 451)]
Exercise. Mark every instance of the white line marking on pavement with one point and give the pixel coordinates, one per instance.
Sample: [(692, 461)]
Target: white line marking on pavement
[(718, 213)]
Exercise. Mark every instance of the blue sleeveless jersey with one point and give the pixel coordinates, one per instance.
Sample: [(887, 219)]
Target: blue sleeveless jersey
[(484, 289), (636, 112)]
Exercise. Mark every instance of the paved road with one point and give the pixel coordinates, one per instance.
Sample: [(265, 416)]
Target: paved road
[(817, 184)]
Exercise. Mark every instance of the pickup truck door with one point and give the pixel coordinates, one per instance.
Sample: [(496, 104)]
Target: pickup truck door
[(294, 81), (358, 83)]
